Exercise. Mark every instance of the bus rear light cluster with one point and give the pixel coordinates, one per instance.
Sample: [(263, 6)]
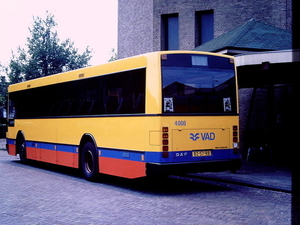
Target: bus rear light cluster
[(235, 139), (165, 142)]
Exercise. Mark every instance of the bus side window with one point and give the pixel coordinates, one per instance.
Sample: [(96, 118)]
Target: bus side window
[(11, 114), (112, 102), (140, 103)]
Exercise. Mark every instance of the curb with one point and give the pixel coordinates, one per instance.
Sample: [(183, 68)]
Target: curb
[(240, 182)]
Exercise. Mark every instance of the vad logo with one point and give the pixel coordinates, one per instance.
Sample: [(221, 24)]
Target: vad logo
[(194, 137), (204, 136)]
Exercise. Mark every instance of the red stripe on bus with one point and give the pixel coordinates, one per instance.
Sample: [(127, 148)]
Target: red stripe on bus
[(47, 156), (41, 155), (122, 168), (12, 149), (67, 159), (31, 153)]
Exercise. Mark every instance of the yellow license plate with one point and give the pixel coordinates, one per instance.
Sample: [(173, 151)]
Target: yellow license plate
[(201, 153)]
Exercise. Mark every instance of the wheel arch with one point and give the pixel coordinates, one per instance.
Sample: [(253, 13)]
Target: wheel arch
[(20, 137), (87, 137)]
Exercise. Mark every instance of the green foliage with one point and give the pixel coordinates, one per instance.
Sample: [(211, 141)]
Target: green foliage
[(45, 53), (3, 87), (15, 70), (114, 56)]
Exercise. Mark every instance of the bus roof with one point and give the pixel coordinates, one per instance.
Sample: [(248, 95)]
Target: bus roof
[(126, 64)]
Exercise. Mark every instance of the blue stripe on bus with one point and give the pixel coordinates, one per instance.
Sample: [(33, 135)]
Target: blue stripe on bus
[(186, 156), (10, 141), (121, 154)]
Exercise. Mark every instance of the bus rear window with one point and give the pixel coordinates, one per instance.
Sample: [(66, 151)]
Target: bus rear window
[(194, 83)]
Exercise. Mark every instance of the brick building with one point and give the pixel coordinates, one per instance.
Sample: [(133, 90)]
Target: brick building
[(154, 25), (265, 105)]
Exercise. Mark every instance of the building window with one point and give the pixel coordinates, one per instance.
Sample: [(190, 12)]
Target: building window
[(204, 27), (170, 32)]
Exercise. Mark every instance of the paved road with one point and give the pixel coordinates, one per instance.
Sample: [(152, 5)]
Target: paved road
[(43, 194)]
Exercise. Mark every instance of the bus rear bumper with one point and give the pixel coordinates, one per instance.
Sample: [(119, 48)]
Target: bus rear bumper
[(154, 169)]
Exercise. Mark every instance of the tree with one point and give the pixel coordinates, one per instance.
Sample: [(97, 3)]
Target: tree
[(3, 87), (114, 56), (15, 70), (45, 53)]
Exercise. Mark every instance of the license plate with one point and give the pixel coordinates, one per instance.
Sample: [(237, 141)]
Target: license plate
[(201, 153)]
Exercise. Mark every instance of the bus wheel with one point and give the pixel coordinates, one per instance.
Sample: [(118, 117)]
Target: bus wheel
[(89, 162), (21, 149)]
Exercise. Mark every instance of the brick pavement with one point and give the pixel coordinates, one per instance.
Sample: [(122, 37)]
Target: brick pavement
[(43, 194), (2, 143)]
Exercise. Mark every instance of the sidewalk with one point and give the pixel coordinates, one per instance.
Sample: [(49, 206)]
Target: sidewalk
[(256, 174)]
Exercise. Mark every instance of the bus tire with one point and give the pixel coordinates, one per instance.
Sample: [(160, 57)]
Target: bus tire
[(21, 149), (89, 162)]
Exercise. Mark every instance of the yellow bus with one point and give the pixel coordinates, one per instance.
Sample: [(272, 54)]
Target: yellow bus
[(160, 113)]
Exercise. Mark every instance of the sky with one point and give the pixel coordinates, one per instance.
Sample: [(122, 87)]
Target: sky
[(90, 23)]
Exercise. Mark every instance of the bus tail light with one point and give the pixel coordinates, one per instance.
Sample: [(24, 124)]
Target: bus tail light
[(165, 142), (165, 135), (235, 139)]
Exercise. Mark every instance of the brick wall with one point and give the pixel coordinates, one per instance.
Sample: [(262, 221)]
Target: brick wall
[(135, 29), (140, 20)]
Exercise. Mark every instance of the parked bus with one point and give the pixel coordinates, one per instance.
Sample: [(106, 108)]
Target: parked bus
[(160, 113)]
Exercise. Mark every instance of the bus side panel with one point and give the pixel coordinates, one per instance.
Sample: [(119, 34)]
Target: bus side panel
[(36, 130), (122, 168), (108, 132)]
